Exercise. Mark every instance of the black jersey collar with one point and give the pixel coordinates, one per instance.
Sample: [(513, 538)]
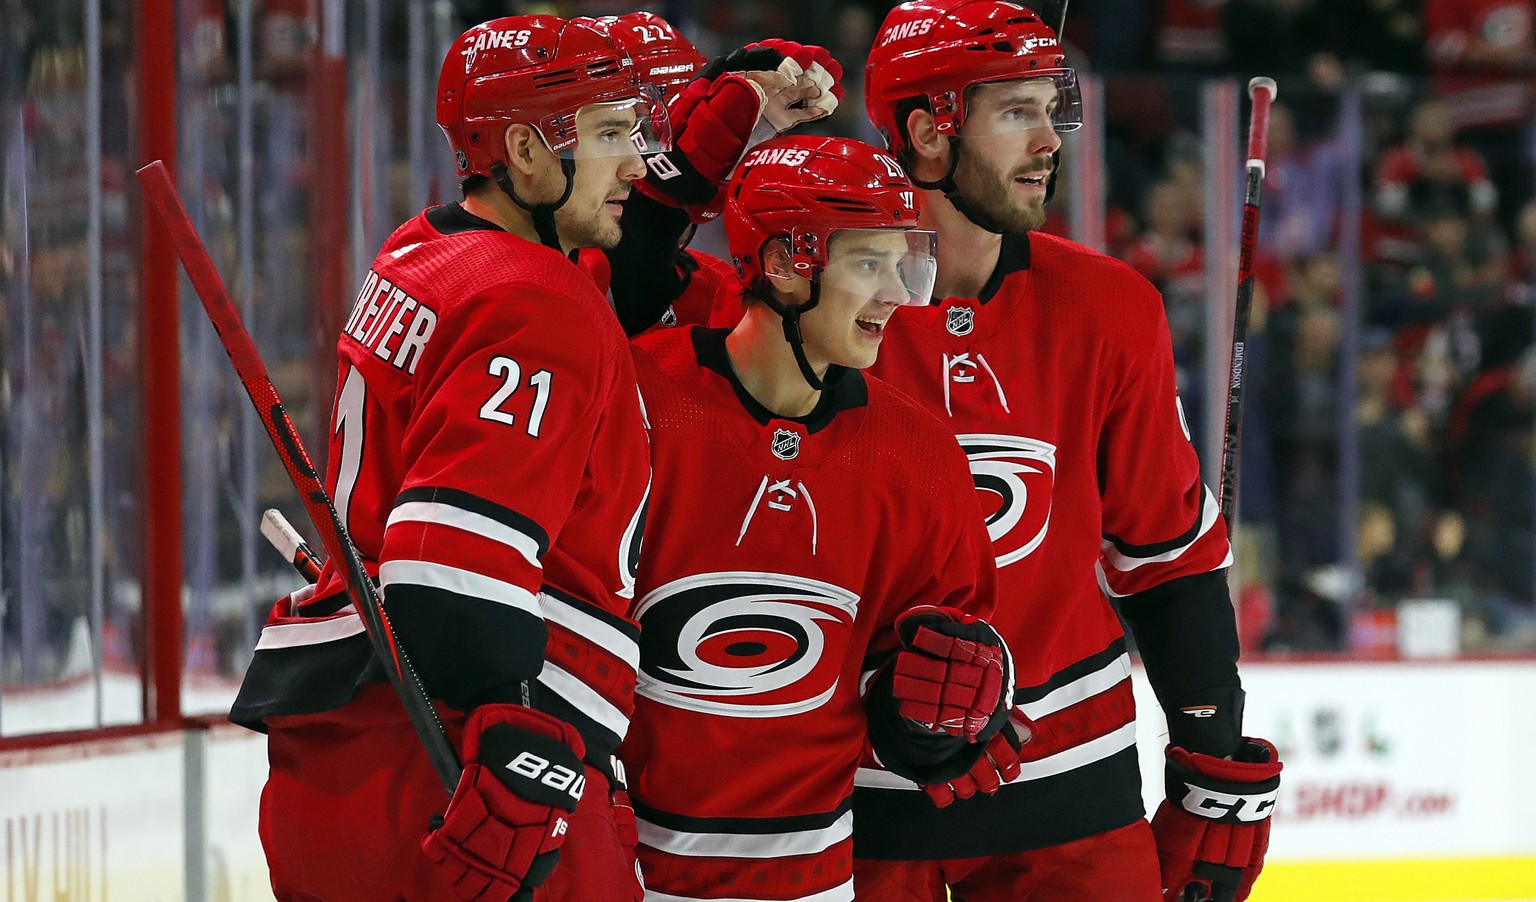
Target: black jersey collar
[(450, 219), (1011, 258), (844, 388)]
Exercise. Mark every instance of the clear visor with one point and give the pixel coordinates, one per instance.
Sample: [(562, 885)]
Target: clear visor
[(893, 266), (616, 128), (1050, 100)]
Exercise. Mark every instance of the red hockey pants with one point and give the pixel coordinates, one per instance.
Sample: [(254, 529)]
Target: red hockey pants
[(349, 798), (1118, 866)]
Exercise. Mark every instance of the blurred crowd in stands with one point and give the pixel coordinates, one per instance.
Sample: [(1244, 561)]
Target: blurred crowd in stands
[(1388, 448), (1391, 421)]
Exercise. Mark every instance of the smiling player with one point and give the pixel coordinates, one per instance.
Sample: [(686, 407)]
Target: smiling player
[(815, 560)]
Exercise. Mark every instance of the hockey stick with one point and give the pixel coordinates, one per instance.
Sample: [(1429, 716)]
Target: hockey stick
[(166, 202), (1263, 91), (291, 545), (1054, 14)]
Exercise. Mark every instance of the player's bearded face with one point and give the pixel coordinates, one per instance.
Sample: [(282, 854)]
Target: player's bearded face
[(1005, 152), (606, 164)]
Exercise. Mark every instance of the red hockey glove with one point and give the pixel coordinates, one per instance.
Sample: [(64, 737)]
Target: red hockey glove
[(997, 766), (502, 832), (953, 673), (1213, 829), (715, 118), (807, 65)]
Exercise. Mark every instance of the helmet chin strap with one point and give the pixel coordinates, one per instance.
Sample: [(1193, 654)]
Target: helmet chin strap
[(791, 317), (952, 192), (543, 214)]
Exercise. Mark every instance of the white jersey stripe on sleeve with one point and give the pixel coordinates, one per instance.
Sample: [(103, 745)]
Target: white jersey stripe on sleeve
[(745, 845), (461, 582), (1209, 513), (591, 629), (442, 514), (584, 698), (309, 632)]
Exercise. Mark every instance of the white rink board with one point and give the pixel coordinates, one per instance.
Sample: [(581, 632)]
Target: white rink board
[(1387, 760), (106, 820), (237, 768), (1383, 761)]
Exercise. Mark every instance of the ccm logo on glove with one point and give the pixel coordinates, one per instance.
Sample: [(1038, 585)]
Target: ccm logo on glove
[(1226, 807)]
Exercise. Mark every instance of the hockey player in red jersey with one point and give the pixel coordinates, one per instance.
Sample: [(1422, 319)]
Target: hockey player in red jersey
[(488, 456), (1053, 366), (718, 112), (801, 511)]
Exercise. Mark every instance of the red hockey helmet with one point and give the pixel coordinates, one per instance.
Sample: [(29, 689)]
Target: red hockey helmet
[(939, 48), (539, 71), (663, 58), (805, 189)]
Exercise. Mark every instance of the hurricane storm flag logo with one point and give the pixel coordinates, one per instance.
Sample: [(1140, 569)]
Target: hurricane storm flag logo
[(1015, 476), (960, 320), (744, 644)]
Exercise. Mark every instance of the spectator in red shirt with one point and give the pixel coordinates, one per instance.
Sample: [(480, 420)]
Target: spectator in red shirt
[(1430, 168)]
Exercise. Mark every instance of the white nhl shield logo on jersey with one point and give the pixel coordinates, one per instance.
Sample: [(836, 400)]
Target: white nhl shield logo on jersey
[(786, 444), (961, 320)]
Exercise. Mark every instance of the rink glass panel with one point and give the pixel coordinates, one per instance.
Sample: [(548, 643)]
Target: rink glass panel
[(1387, 452)]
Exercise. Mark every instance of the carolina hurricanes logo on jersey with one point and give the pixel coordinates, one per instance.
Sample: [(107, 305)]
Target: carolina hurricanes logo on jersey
[(744, 644), (629, 548), (1015, 476)]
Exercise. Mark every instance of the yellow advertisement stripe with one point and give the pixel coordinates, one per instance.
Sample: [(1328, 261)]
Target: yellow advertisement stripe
[(1399, 880)]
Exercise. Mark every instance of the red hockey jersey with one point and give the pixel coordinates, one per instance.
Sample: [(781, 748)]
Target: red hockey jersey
[(488, 457), (1059, 385), (777, 553)]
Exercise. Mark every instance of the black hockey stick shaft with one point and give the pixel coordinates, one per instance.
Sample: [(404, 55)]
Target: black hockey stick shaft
[(1054, 14), (166, 203), (1262, 90)]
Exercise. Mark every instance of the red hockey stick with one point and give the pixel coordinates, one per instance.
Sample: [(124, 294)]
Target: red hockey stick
[(1262, 90), (161, 191)]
